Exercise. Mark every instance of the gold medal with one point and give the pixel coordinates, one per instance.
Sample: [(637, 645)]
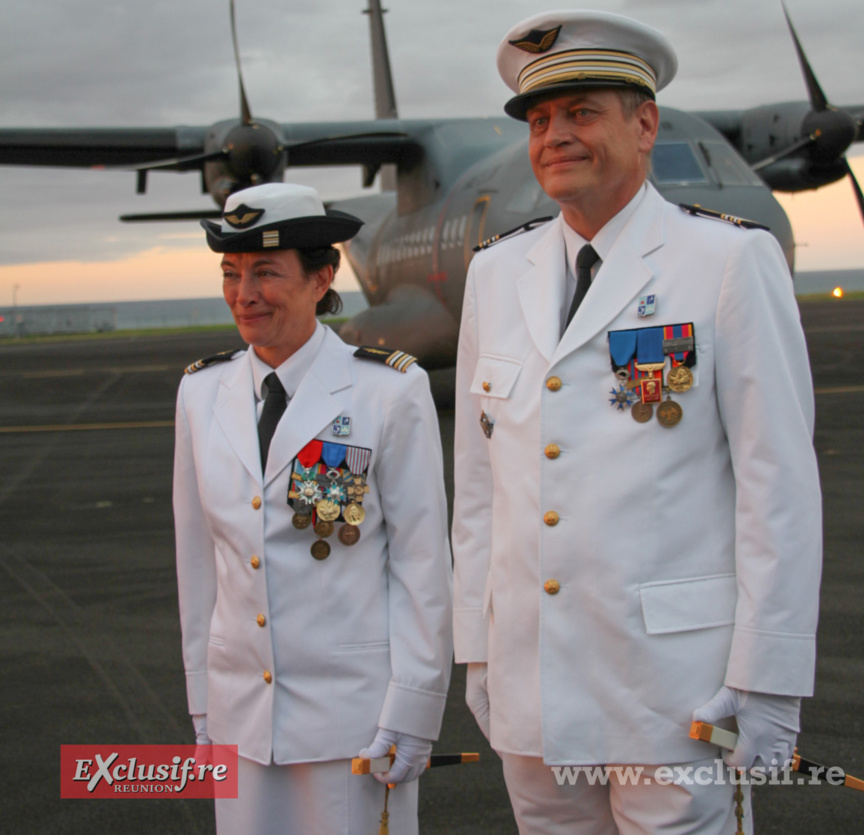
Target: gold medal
[(650, 367), (360, 489), (679, 379), (642, 412), (301, 521), (669, 413), (327, 510), (354, 514), (320, 549), (349, 534), (323, 529)]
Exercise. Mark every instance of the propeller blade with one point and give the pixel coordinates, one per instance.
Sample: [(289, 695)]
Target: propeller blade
[(195, 214), (339, 137), (245, 112), (859, 195), (156, 165), (791, 149), (817, 97)]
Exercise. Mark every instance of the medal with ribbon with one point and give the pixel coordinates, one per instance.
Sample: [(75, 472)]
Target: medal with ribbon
[(622, 347), (650, 361), (328, 482), (639, 361), (678, 343)]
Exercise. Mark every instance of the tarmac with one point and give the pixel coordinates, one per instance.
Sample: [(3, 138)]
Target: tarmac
[(89, 632)]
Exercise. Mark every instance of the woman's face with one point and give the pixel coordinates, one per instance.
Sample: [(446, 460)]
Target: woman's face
[(272, 300)]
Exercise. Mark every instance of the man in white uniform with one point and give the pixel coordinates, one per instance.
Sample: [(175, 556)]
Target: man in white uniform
[(637, 512), (312, 554)]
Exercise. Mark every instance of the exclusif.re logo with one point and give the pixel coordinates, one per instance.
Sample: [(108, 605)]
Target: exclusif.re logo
[(181, 771)]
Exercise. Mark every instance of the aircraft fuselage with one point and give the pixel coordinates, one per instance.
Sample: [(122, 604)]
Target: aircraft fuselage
[(412, 264)]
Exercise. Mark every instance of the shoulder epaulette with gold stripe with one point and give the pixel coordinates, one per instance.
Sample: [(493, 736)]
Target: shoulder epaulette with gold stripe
[(738, 221), (525, 227), (395, 359), (222, 356)]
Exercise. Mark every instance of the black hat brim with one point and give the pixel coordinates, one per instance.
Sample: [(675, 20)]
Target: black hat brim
[(518, 106), (297, 233)]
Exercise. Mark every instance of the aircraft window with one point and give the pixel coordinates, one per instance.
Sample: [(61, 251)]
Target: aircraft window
[(675, 162), (731, 170)]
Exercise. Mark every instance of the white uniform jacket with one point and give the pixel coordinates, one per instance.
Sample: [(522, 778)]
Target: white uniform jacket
[(687, 556), (359, 639)]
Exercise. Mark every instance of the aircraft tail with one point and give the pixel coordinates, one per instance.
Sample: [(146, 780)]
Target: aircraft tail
[(382, 78)]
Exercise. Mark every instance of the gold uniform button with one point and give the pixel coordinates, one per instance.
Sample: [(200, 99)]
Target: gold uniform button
[(256, 502), (552, 451), (550, 517), (268, 676), (255, 562), (487, 386), (553, 383), (552, 587), (261, 620)]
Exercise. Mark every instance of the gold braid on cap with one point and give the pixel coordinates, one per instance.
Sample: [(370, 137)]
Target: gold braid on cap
[(587, 65)]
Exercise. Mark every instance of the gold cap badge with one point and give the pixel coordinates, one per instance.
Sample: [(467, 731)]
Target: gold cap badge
[(243, 217), (537, 40)]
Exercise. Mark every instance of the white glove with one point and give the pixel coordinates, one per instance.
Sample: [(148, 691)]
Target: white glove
[(412, 755), (477, 694), (202, 753), (767, 726), (199, 720)]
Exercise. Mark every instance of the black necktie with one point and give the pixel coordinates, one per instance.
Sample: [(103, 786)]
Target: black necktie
[(586, 259), (274, 405)]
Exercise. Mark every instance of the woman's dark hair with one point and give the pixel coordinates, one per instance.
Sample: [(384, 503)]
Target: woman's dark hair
[(312, 260)]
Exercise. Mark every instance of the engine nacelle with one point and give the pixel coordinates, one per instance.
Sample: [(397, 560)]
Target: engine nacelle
[(251, 155)]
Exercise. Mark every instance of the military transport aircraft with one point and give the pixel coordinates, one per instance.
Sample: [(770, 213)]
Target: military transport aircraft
[(450, 183)]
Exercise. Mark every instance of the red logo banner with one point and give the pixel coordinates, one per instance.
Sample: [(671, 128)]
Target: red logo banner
[(136, 771)]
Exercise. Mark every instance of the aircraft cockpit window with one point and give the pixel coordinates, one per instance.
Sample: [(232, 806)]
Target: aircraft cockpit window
[(675, 163), (730, 169)]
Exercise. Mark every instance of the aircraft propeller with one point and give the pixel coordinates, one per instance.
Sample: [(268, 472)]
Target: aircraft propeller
[(253, 153), (828, 131), (245, 112), (246, 152)]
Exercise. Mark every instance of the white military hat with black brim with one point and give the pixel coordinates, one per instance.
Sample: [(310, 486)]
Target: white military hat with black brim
[(278, 216), (557, 52)]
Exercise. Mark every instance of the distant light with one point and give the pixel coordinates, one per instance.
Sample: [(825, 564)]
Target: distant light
[(837, 292), (2, 318)]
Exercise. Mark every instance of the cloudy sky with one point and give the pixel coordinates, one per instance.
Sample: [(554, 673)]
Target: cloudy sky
[(169, 62)]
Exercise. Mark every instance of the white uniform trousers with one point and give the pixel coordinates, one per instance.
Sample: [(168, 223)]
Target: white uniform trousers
[(643, 801), (313, 799)]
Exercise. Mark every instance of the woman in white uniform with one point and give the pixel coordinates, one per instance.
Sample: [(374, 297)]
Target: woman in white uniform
[(311, 525)]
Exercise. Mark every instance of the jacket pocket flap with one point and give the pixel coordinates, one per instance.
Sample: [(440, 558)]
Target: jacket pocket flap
[(495, 376), (695, 603)]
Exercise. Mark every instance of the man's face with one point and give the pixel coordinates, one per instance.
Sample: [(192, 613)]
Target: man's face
[(586, 153), (272, 300)]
